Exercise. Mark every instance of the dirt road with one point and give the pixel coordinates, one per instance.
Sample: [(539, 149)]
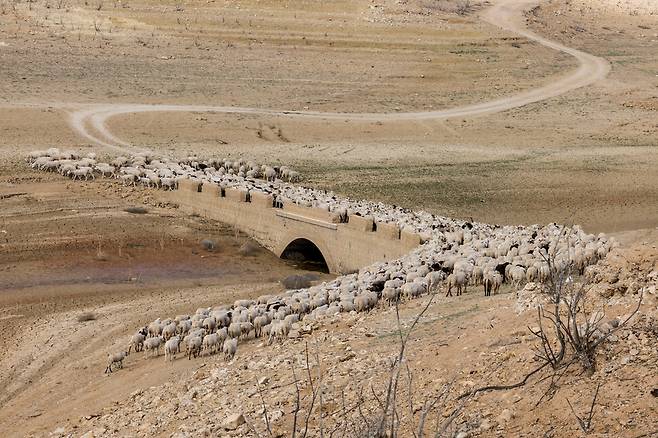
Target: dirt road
[(90, 120)]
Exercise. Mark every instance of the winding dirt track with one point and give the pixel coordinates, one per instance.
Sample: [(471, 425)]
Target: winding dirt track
[(90, 121)]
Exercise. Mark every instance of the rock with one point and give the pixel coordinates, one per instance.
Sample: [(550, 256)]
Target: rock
[(58, 431), (462, 435), (296, 282), (276, 415), (249, 249), (348, 356), (486, 425), (505, 416), (293, 334), (634, 352), (234, 421), (264, 380), (209, 244)]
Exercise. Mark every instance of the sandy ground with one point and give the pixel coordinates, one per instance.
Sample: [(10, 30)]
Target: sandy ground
[(588, 157)]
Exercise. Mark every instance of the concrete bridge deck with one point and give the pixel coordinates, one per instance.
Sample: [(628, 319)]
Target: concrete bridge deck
[(345, 246)]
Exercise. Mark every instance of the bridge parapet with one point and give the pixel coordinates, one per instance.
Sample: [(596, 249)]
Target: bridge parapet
[(313, 212), (388, 230), (346, 247), (365, 224)]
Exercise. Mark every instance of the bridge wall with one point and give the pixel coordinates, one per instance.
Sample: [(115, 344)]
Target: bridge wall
[(346, 247)]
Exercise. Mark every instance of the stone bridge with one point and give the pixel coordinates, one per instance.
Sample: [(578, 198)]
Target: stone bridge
[(294, 231)]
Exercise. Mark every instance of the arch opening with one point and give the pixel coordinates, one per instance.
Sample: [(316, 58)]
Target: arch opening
[(306, 254)]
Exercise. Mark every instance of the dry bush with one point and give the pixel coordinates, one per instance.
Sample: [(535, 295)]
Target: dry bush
[(393, 409), (571, 327), (461, 7)]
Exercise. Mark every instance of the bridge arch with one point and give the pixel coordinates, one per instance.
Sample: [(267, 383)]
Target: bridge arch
[(302, 248)]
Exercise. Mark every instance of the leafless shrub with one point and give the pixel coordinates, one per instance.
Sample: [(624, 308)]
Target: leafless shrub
[(391, 410), (461, 7), (283, 138), (570, 330), (100, 254), (586, 423)]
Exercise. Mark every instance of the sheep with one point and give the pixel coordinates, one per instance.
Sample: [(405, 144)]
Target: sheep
[(434, 280), (137, 342), (209, 324), (492, 282), (457, 280), (517, 274), (155, 328), (193, 347), (245, 329), (464, 250), (171, 348), (230, 348), (86, 172), (211, 343), (365, 302), (115, 359), (183, 327), (260, 322), (169, 331), (279, 330), (390, 295), (531, 273), (234, 330), (152, 344), (414, 289)]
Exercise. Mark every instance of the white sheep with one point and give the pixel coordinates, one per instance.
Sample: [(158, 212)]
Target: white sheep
[(171, 348), (136, 342), (152, 344), (457, 280), (230, 348), (115, 359), (211, 343)]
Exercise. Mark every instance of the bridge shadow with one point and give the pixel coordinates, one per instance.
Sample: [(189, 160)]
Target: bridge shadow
[(305, 254)]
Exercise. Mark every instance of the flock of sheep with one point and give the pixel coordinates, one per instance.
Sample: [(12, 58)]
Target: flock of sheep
[(486, 257), (154, 171), (157, 172), (455, 254)]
